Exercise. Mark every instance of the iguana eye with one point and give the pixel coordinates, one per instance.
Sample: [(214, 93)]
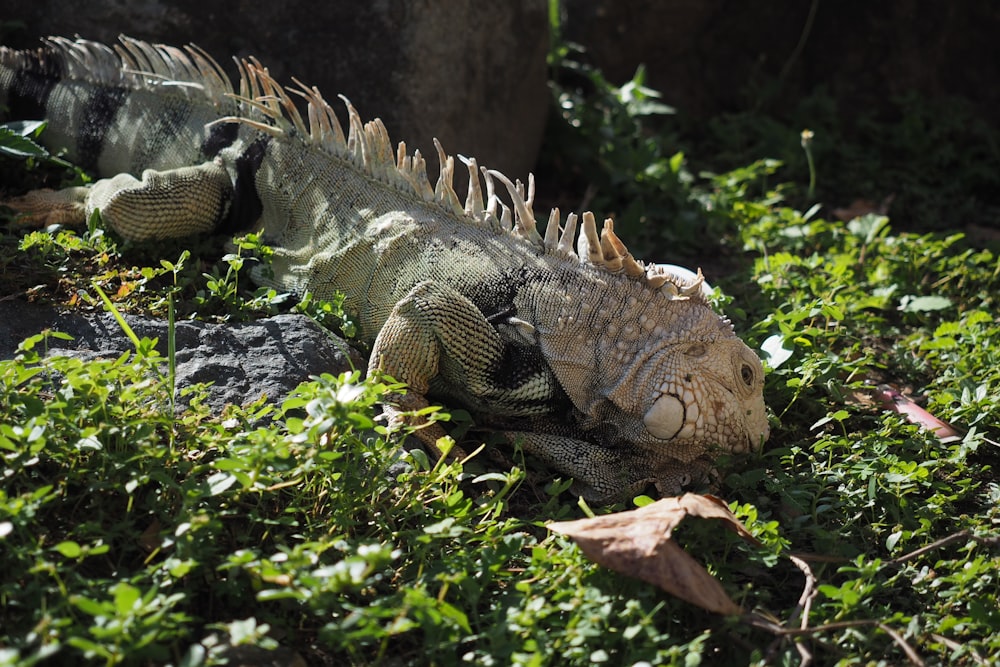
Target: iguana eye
[(747, 375)]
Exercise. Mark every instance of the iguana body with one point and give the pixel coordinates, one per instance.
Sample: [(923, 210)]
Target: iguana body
[(613, 372)]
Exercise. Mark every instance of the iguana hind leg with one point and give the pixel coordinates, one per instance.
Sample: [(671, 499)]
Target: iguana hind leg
[(162, 204)]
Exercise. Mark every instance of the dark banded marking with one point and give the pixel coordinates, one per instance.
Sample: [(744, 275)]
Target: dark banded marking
[(521, 386), (495, 298), (220, 136), (247, 206), (167, 127), (33, 81), (98, 114), (520, 366)]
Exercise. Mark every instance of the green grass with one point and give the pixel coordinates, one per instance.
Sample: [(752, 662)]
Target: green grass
[(129, 535)]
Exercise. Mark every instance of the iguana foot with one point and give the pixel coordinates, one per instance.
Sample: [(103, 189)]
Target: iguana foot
[(405, 410), (41, 208)]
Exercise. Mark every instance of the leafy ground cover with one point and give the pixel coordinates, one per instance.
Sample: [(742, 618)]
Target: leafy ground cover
[(133, 535)]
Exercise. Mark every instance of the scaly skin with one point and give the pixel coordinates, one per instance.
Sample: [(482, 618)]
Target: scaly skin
[(608, 370)]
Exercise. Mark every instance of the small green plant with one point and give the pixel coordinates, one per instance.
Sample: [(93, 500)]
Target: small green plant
[(329, 314), (222, 294), (17, 140), (807, 139), (599, 136)]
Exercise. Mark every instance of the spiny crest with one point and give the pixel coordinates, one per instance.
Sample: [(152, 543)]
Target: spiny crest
[(367, 145), (132, 64), (69, 60), (189, 68), (267, 106)]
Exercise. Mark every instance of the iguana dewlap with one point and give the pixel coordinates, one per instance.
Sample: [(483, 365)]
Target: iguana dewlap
[(614, 372)]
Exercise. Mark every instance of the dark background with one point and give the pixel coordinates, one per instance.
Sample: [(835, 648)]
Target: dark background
[(902, 94)]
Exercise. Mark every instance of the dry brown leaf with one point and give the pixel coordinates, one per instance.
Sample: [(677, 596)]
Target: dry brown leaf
[(893, 400), (150, 540), (860, 207), (638, 543)]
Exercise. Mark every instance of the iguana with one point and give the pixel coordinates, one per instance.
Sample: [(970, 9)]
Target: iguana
[(614, 372)]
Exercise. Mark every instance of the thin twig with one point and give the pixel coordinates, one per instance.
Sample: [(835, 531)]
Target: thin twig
[(808, 593), (763, 623), (801, 609), (804, 653), (943, 542), (910, 652), (989, 541), (955, 646)]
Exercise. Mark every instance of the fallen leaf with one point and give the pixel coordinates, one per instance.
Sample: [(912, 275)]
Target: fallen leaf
[(860, 207), (893, 400), (150, 540), (638, 543)]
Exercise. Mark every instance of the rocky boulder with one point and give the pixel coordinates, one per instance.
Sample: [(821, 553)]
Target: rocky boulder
[(241, 361)]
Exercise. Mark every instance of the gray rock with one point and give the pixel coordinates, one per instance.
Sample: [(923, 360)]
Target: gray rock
[(243, 361)]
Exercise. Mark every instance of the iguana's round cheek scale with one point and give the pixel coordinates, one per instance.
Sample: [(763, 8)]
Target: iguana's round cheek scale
[(665, 419)]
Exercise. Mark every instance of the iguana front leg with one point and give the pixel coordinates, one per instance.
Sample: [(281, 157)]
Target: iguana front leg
[(433, 330), (436, 338), (163, 204)]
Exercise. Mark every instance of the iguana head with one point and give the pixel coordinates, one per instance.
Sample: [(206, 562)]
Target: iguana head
[(667, 379), (694, 391), (660, 383), (655, 374)]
